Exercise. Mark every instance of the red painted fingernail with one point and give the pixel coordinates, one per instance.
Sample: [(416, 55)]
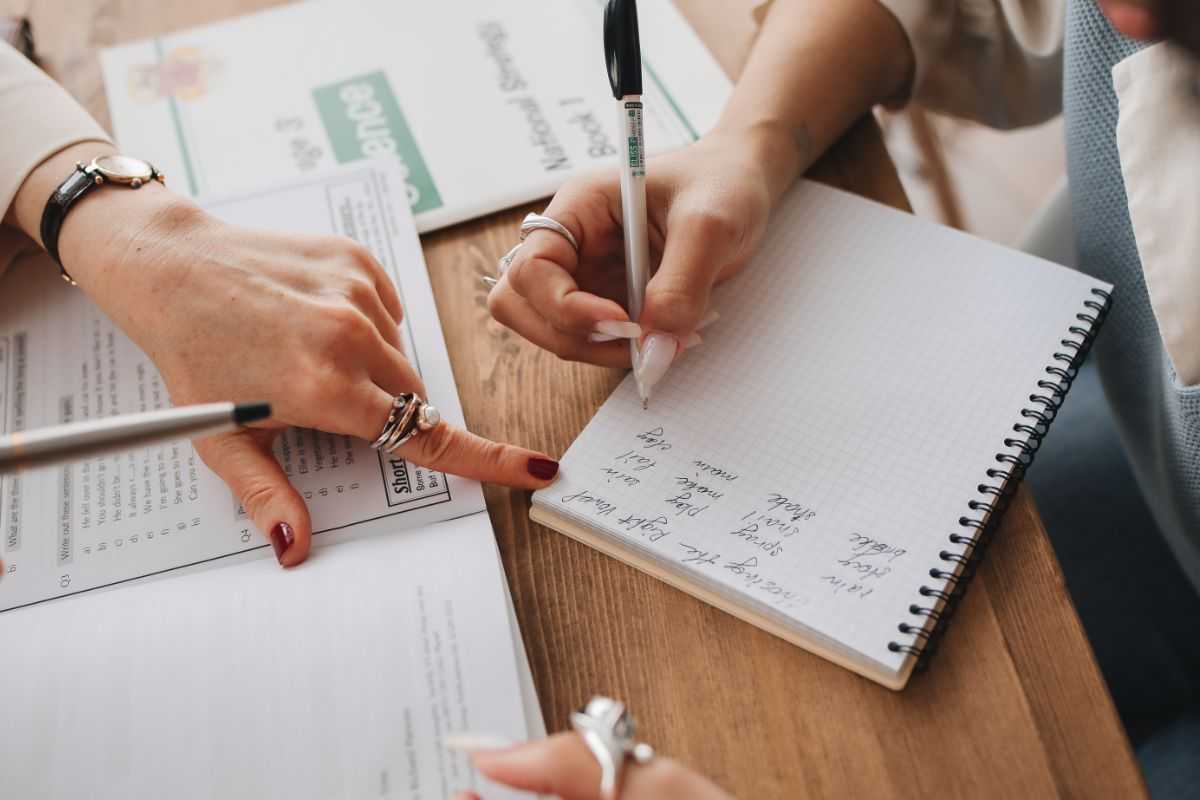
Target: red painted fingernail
[(281, 539), (543, 468)]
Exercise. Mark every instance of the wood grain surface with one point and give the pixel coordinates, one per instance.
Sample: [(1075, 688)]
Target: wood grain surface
[(1013, 705)]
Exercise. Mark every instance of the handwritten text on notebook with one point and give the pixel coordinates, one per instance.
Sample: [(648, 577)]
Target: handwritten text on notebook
[(755, 527)]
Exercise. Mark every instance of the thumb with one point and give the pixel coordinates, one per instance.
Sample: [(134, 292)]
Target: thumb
[(244, 460), (699, 247)]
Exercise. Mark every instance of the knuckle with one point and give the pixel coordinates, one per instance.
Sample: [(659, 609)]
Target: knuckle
[(356, 253), (347, 324), (675, 308), (519, 272), (256, 498), (569, 218), (492, 456), (499, 307), (365, 257), (438, 444), (360, 290), (715, 224)]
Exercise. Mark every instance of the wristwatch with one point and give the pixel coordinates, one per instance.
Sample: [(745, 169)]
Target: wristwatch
[(122, 170)]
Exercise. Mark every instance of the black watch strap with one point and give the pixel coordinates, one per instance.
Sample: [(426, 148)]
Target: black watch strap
[(77, 184)]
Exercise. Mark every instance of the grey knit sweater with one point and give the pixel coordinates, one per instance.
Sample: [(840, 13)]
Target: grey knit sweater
[(1158, 418)]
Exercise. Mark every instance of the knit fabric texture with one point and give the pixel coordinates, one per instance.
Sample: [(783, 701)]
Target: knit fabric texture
[(1158, 419)]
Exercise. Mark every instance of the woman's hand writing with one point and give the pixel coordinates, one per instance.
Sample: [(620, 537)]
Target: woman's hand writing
[(707, 205)]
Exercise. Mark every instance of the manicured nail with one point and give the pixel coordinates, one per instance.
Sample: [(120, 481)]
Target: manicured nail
[(281, 539), (691, 341), (543, 468), (658, 351), (475, 742), (709, 319), (617, 329), (597, 338)]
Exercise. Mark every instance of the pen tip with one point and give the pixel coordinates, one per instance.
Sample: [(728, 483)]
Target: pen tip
[(244, 413), (645, 403)]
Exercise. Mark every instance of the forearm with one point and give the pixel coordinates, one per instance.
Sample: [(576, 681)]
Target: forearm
[(818, 66)]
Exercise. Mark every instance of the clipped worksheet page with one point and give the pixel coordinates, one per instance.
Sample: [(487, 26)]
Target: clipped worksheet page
[(337, 679), (487, 105), (148, 512), (809, 462)]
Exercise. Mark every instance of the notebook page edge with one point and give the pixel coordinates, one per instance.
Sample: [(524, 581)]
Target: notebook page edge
[(726, 600)]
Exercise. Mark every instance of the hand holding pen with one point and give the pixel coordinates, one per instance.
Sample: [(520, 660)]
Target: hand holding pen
[(706, 207)]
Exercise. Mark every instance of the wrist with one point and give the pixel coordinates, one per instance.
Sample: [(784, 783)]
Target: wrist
[(97, 236), (115, 232), (778, 151)]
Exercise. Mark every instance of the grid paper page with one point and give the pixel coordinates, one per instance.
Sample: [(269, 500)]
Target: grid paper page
[(811, 458)]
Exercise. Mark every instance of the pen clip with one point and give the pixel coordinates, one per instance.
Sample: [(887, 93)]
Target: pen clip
[(622, 48)]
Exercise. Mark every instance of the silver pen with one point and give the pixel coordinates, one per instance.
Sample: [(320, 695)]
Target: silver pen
[(80, 440)]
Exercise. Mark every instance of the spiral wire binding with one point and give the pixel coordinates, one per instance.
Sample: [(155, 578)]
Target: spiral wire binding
[(940, 604)]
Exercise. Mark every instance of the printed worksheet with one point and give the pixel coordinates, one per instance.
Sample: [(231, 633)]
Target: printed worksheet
[(340, 678), (106, 521), (486, 105)]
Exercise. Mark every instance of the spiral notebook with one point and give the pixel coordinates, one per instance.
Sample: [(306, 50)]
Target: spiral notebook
[(830, 464)]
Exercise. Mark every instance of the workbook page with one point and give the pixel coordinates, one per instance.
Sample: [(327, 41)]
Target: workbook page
[(485, 104), (340, 678), (812, 457), (105, 521)]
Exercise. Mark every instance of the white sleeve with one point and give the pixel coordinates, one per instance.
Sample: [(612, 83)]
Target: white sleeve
[(41, 119), (995, 61)]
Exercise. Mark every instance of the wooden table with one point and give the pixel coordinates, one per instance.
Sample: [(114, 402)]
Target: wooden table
[(1013, 706)]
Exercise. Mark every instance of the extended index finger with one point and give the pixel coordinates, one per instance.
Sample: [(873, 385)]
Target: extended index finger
[(459, 452)]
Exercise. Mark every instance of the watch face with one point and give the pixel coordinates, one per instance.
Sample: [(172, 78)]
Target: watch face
[(123, 169)]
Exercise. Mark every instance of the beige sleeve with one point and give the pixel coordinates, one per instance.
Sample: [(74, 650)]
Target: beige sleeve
[(42, 118), (995, 61)]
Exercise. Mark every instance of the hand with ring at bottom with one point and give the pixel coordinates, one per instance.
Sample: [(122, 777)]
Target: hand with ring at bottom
[(315, 331), (602, 760), (562, 766)]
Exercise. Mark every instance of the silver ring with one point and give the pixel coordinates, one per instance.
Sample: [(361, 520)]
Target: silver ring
[(608, 730), (409, 416), (403, 425), (531, 223), (507, 259), (397, 404), (534, 222)]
